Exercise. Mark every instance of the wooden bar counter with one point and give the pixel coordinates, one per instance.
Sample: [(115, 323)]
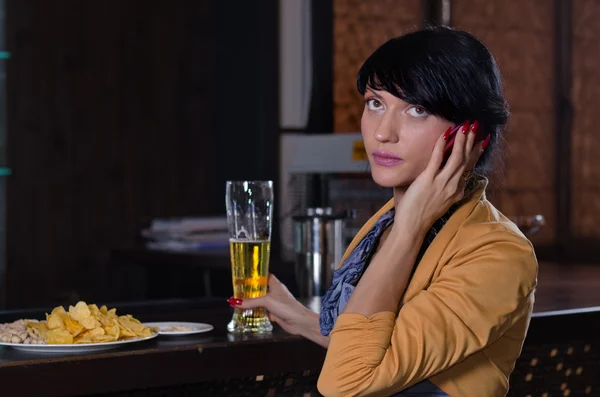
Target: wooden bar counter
[(561, 354), (207, 363)]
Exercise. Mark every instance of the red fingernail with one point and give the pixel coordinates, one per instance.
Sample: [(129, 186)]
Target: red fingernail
[(233, 300), (447, 133), (485, 142), (474, 126), (465, 128)]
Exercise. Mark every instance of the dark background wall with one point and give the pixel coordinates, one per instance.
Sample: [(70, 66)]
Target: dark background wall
[(121, 111)]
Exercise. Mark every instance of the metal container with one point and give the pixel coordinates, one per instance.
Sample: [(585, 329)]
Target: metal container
[(318, 245)]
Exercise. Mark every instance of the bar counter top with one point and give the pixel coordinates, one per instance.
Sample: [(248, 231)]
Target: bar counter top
[(162, 361), (567, 314)]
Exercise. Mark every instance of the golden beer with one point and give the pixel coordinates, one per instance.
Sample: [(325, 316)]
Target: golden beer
[(250, 272)]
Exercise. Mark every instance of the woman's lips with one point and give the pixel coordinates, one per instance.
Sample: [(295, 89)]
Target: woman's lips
[(385, 159)]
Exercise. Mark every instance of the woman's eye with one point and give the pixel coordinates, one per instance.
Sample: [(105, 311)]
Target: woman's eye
[(418, 111), (374, 104)]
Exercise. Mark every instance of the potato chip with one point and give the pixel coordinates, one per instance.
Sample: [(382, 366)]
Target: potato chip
[(55, 321), (147, 332), (125, 330), (94, 310), (93, 332), (72, 325), (59, 336), (58, 310), (112, 328), (82, 314), (103, 338)]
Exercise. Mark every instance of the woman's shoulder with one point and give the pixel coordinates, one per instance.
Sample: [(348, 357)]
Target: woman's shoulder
[(486, 218), (478, 216), (489, 237)]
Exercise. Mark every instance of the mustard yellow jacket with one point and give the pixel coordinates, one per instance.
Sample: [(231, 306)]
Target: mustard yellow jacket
[(462, 320)]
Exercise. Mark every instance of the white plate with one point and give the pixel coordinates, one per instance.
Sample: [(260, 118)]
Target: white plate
[(75, 347), (197, 328)]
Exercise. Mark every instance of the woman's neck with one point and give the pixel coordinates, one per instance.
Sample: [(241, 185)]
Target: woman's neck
[(399, 192)]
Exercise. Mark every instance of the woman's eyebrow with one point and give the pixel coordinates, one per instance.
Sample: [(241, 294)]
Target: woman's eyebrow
[(376, 95)]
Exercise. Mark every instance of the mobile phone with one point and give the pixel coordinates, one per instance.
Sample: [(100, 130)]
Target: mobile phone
[(479, 136)]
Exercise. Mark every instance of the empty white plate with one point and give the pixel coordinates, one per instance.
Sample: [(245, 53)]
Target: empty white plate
[(179, 328)]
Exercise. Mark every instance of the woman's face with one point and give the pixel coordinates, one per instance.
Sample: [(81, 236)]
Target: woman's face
[(399, 138)]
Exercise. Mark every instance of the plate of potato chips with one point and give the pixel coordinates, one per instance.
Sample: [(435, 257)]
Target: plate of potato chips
[(82, 328)]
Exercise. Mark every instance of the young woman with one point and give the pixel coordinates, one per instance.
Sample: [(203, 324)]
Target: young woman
[(434, 295)]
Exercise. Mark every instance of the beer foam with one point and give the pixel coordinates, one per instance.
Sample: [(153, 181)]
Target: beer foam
[(242, 240)]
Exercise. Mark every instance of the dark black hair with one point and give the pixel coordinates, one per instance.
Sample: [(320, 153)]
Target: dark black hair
[(448, 72)]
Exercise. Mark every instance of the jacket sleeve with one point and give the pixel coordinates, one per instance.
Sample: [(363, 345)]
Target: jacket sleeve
[(479, 294)]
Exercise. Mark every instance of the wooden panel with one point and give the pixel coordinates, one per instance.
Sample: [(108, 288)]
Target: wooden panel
[(111, 123), (586, 14), (530, 151), (519, 35), (359, 28), (586, 104), (586, 153), (586, 213), (585, 73), (526, 16), (527, 69), (367, 12)]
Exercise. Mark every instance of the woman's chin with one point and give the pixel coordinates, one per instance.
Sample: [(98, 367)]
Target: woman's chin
[(388, 179)]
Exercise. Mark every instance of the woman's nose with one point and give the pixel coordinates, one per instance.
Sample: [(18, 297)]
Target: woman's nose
[(386, 131)]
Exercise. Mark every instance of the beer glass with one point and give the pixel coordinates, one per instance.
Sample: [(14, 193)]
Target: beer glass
[(249, 218)]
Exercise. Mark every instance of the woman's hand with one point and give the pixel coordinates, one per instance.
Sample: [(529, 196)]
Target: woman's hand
[(436, 189), (285, 310)]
